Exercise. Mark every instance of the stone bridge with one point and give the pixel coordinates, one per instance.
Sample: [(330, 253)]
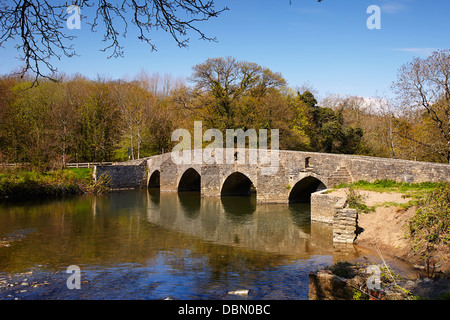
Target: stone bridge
[(294, 178)]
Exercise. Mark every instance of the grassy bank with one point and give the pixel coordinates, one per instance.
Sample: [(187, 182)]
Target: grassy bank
[(416, 191), (412, 189), (19, 183)]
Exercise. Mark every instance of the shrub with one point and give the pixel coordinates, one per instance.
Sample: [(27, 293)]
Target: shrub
[(430, 225), (356, 201), (19, 183)]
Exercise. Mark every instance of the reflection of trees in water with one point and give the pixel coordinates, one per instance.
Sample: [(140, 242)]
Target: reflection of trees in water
[(120, 232), (300, 214), (239, 209), (190, 202)]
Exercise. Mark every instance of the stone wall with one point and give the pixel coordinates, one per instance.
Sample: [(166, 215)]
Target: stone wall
[(336, 168), (124, 176), (332, 209), (322, 206), (345, 225)]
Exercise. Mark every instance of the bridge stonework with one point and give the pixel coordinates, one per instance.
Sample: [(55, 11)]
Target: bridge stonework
[(296, 170), (297, 176), (295, 173)]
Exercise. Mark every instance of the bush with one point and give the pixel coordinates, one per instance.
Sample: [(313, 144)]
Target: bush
[(356, 201), (431, 223), (18, 183), (102, 185)]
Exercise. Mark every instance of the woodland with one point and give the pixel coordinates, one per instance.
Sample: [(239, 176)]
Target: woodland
[(70, 118)]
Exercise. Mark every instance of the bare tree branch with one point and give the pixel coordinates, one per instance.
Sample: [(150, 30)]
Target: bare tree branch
[(425, 84), (38, 27)]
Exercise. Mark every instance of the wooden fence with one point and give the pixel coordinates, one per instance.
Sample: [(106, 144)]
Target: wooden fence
[(88, 164)]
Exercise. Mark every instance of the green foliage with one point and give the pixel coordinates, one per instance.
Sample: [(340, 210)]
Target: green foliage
[(20, 183), (102, 185), (328, 132), (80, 174), (80, 120), (355, 200), (390, 185), (430, 225), (359, 295)]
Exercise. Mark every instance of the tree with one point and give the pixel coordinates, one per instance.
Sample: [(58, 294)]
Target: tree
[(8, 137), (223, 82), (424, 84), (98, 126), (327, 130), (135, 105), (38, 26)]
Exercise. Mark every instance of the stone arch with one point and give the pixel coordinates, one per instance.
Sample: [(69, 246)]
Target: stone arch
[(190, 181), (155, 180), (301, 192), (237, 184)]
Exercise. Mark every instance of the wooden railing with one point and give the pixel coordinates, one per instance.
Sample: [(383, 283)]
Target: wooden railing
[(70, 165), (88, 164)]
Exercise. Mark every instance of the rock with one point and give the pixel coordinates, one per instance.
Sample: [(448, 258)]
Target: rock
[(326, 286), (239, 292)]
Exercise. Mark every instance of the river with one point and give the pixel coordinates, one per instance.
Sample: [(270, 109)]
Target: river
[(140, 244)]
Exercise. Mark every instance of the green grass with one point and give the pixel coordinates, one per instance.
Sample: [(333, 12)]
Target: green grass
[(413, 190), (84, 174), (407, 205), (24, 183), (416, 191)]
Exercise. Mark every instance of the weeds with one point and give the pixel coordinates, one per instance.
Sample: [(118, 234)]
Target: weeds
[(102, 185), (355, 200)]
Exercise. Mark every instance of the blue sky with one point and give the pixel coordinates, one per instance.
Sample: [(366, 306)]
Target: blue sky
[(326, 45)]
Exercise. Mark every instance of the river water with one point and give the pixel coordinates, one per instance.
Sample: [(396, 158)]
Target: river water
[(141, 244)]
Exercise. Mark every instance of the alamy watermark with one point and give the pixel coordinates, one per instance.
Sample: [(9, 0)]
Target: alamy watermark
[(374, 281), (74, 280), (74, 19), (374, 21), (218, 152)]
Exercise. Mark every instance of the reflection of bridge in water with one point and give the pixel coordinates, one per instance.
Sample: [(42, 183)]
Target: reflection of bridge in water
[(238, 221)]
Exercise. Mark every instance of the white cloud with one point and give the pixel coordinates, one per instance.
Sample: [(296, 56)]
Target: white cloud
[(419, 51), (393, 7)]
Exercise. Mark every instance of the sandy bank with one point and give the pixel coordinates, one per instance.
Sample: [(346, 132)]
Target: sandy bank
[(386, 228)]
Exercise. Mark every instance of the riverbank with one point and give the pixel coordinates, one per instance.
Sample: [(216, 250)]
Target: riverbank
[(390, 223), (21, 183), (387, 221)]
